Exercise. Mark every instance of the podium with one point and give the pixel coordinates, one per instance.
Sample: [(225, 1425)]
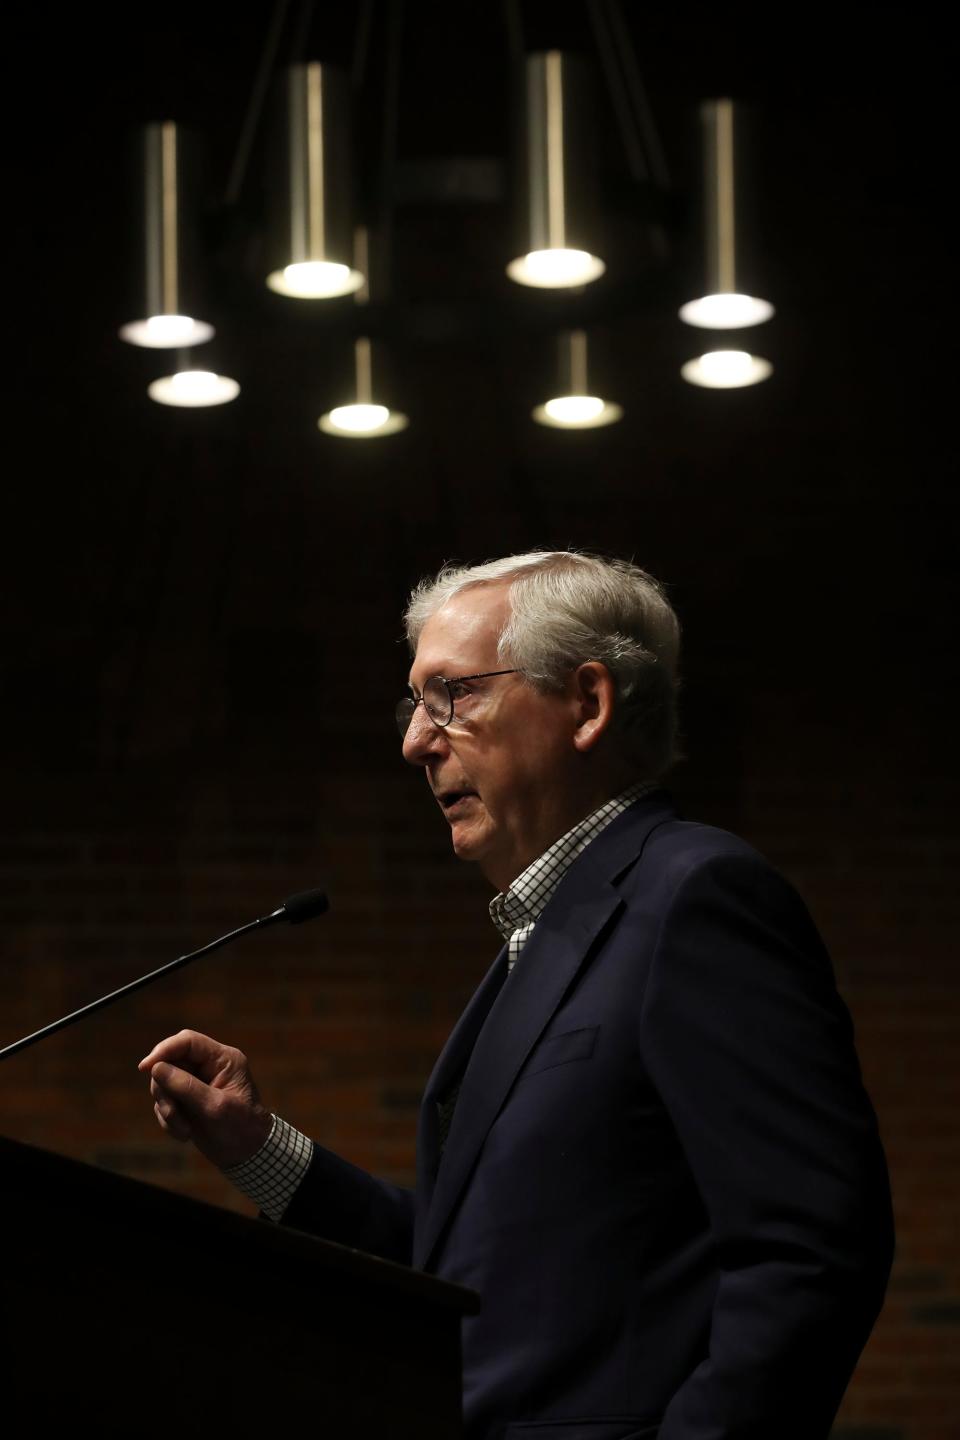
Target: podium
[(147, 1313)]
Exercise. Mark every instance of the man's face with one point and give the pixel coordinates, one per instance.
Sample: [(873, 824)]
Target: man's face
[(500, 770)]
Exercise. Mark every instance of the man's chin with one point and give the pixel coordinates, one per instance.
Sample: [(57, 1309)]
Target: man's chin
[(475, 845), (469, 839), (465, 844)]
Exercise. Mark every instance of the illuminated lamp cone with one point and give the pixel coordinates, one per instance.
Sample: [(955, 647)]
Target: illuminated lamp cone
[(731, 298), (194, 382), (575, 404), (311, 229), (170, 305), (556, 244)]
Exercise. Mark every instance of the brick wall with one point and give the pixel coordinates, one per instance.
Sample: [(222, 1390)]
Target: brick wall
[(179, 764)]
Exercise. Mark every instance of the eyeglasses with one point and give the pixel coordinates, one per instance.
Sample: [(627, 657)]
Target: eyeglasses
[(438, 698)]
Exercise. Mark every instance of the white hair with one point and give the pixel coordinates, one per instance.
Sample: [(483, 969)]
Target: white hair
[(568, 607)]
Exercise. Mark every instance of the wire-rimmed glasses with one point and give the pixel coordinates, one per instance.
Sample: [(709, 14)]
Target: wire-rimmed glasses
[(438, 698)]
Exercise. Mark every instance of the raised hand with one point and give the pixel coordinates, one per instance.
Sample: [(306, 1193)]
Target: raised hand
[(203, 1091)]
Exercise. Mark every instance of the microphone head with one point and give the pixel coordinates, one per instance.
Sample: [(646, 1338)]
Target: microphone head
[(305, 906)]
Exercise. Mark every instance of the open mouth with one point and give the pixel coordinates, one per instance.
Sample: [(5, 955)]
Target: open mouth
[(450, 799)]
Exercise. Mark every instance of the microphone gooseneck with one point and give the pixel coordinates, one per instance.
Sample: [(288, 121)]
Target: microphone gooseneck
[(304, 906)]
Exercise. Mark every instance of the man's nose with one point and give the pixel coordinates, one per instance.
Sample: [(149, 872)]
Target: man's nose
[(423, 738)]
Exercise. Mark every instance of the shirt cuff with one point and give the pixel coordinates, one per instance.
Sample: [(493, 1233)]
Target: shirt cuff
[(270, 1177)]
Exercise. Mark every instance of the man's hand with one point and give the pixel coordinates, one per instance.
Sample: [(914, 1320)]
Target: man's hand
[(203, 1091)]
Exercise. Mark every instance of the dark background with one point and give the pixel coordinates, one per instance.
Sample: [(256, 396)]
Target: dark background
[(202, 637)]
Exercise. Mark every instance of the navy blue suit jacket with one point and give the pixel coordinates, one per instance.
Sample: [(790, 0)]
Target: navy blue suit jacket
[(663, 1174)]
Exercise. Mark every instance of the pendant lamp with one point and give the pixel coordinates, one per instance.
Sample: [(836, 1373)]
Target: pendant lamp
[(312, 226), (169, 318), (556, 222), (727, 302), (574, 404)]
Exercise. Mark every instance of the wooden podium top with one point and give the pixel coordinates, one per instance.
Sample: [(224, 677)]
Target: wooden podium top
[(143, 1309), (38, 1180)]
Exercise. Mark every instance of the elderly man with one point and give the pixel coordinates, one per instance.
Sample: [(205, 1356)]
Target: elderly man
[(646, 1143)]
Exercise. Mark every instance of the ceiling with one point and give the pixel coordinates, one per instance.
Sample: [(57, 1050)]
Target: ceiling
[(143, 538)]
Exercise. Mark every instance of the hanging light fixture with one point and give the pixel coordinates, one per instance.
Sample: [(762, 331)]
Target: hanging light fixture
[(362, 417), (574, 406), (725, 305), (313, 227), (312, 251), (557, 169), (168, 322), (193, 386), (726, 369)]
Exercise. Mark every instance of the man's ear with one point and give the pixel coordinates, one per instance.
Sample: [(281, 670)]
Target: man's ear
[(594, 695)]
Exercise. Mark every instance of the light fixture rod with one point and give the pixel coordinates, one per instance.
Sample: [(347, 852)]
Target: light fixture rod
[(162, 216), (315, 247), (616, 86), (364, 370), (553, 83), (258, 95), (636, 90), (361, 262), (168, 189), (720, 191), (578, 362)]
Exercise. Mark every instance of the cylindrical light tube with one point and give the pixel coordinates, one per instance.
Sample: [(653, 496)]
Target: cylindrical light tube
[(169, 270), (364, 417), (313, 227), (556, 218), (575, 405), (720, 215), (727, 302)]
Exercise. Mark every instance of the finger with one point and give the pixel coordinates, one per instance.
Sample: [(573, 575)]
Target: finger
[(168, 1111), (172, 1123), (160, 1095), (189, 1094), (175, 1047), (190, 1050)]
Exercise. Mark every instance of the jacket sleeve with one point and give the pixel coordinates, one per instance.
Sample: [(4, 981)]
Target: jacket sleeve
[(751, 1049), (338, 1201)]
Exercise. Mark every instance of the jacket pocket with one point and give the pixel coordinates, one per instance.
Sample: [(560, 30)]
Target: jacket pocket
[(562, 1049)]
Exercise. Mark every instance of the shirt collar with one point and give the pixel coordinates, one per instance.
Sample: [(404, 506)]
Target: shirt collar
[(521, 904)]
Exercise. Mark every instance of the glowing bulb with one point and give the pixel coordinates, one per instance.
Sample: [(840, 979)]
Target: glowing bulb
[(166, 332), (556, 269), (193, 389), (361, 422), (577, 412), (315, 280), (359, 417), (726, 369), (726, 312), (574, 409)]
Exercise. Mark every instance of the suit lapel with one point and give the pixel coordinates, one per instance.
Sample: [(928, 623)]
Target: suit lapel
[(508, 1014), (453, 1057), (518, 1015)]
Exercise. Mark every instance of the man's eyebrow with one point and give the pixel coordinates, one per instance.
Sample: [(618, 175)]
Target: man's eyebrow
[(447, 670)]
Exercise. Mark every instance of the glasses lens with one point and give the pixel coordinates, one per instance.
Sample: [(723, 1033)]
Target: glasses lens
[(436, 701), (404, 713)]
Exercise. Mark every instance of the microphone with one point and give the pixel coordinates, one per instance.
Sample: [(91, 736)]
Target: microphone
[(298, 908)]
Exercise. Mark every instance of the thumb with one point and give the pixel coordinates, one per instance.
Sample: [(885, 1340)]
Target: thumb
[(189, 1092)]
